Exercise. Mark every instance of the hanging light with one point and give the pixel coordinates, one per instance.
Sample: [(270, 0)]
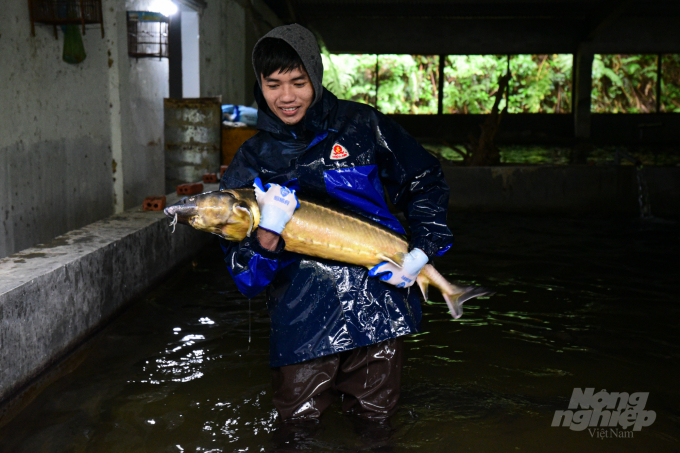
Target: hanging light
[(165, 7)]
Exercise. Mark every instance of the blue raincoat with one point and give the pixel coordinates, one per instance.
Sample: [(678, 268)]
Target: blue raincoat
[(347, 154)]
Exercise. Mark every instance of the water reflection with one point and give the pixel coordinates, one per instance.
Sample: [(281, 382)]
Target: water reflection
[(579, 302)]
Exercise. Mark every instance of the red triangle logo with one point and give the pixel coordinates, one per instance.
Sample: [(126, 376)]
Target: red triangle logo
[(339, 152)]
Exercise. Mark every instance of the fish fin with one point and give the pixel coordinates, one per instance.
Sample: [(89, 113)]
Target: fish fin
[(398, 259), (424, 285), (456, 301), (250, 216)]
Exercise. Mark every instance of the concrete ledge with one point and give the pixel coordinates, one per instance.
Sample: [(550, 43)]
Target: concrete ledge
[(54, 295), (564, 189)]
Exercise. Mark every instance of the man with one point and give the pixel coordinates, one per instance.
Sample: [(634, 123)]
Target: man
[(335, 328)]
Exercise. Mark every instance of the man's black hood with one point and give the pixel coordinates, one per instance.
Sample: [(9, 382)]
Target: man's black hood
[(304, 43)]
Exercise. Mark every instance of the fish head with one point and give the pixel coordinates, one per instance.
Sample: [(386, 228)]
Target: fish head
[(231, 214)]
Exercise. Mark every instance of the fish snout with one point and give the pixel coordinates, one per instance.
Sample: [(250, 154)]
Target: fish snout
[(184, 209)]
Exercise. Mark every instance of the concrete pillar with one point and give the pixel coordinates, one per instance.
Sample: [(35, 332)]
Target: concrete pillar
[(583, 82), (115, 54), (222, 31), (175, 55)]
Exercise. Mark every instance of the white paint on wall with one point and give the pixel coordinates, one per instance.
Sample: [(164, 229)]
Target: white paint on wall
[(191, 81)]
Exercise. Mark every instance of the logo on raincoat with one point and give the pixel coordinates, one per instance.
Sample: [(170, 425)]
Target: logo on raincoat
[(339, 152)]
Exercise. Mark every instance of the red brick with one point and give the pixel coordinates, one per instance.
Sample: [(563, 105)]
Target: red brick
[(154, 203), (190, 189), (210, 178)]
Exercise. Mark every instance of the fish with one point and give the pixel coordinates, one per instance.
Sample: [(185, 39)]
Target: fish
[(316, 230)]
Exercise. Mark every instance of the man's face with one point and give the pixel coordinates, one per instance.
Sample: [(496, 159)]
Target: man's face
[(289, 94)]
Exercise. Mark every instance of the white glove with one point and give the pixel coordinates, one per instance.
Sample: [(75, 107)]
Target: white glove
[(401, 277), (277, 205)]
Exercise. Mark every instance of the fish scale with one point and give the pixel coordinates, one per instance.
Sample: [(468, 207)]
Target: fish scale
[(341, 236)]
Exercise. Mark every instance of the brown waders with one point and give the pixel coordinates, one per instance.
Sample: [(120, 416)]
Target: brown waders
[(367, 377)]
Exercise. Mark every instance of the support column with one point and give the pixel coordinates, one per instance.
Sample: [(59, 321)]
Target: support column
[(175, 55), (583, 82), (115, 49)]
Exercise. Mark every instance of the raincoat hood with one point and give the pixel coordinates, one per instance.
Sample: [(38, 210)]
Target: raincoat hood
[(304, 43)]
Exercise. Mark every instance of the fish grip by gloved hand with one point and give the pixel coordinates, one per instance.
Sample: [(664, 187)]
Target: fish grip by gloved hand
[(277, 204), (404, 276)]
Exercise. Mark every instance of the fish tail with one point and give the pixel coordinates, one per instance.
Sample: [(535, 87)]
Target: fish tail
[(455, 301), (454, 296)]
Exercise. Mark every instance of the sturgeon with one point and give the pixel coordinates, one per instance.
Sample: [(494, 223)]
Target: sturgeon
[(315, 230)]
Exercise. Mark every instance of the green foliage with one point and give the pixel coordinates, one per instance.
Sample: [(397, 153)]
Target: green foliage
[(670, 83), (408, 84), (540, 83), (624, 84), (470, 81), (350, 77)]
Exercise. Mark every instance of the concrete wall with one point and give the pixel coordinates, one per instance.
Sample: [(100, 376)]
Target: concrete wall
[(223, 30), (54, 296), (606, 129), (564, 190), (55, 161), (79, 142)]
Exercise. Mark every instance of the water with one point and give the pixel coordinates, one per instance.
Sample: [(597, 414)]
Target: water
[(580, 303), (643, 195)]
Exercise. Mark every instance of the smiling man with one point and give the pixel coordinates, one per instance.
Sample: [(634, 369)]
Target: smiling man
[(335, 328), (288, 94)]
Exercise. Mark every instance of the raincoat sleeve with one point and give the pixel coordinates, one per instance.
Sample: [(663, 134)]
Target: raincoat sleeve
[(252, 266), (415, 184)]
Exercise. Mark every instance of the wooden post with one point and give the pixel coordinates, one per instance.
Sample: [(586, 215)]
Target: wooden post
[(377, 78), (658, 83), (440, 88), (507, 91)]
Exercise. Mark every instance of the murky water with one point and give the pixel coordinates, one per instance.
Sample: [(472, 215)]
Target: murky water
[(580, 303)]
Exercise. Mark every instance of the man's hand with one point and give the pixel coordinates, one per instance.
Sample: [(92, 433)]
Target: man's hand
[(401, 277), (277, 205)]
